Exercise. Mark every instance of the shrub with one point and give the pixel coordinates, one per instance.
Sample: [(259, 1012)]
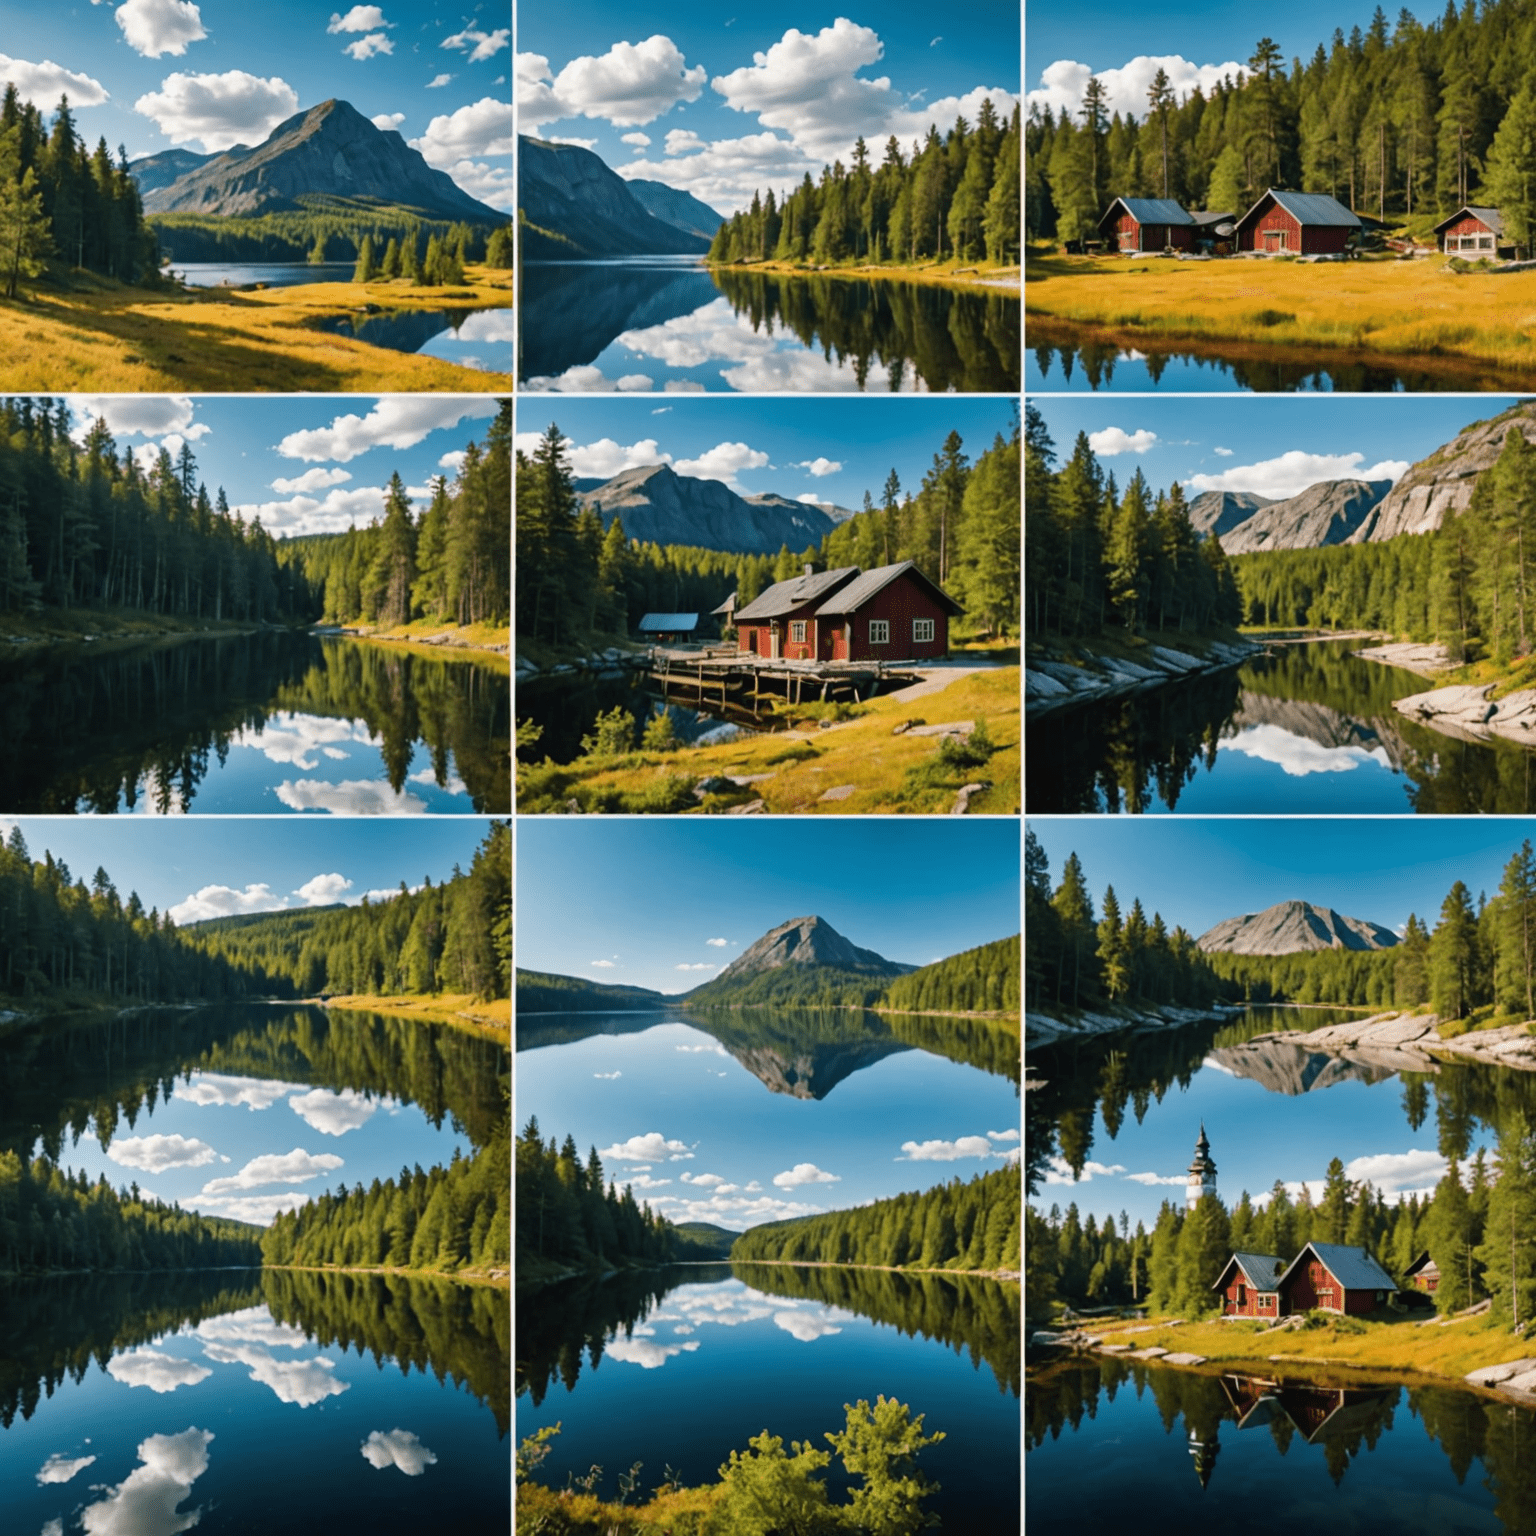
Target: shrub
[(613, 734), (660, 735)]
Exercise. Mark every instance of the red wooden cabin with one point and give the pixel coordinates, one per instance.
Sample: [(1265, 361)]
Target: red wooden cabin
[(1248, 1285), (1423, 1274), (1146, 224), (1473, 232), (1332, 1277), (892, 613), (1301, 223), (782, 622)]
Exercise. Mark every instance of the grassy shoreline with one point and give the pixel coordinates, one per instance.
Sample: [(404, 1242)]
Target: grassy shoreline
[(486, 643), (985, 275), (490, 1020), (494, 1279)]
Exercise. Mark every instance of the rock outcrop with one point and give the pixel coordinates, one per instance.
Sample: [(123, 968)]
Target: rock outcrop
[(1060, 682), (808, 941), (1213, 513), (1465, 711), (1294, 927), (1325, 513), (682, 210)]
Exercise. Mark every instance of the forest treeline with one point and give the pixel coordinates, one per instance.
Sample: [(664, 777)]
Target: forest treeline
[(545, 992), (452, 937), (52, 1220), (453, 1218), (577, 580), (1097, 557), (1401, 119), (450, 565), (971, 1224), (952, 196), (980, 980), (1074, 960)]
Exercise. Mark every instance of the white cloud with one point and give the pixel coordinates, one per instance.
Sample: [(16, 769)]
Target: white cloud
[(136, 415), (154, 27), (725, 461), (479, 45), (334, 1114), (1063, 82), (638, 140), (1298, 756), (252, 1325), (483, 128), (395, 421), (366, 47), (324, 890), (706, 1180), (311, 480), (154, 1154), (1059, 1171), (218, 110), (295, 1167), (713, 1048), (43, 84), (1397, 1174), (805, 1173), (1115, 440), (351, 797), (653, 1147), (607, 1077), (295, 739), (644, 1181), (1293, 471), (337, 511), (583, 378), (144, 1503), (1008, 1135), (453, 460), (437, 82), (702, 965), (205, 1088), (726, 172), (643, 1353), (606, 965), (386, 121), (258, 1209), (629, 86), (1150, 1179), (808, 1326), (160, 1373), (946, 1151), (1224, 453), (59, 1469), (605, 458), (361, 18), (225, 901), (303, 1382), (717, 943), (820, 466), (398, 1448)]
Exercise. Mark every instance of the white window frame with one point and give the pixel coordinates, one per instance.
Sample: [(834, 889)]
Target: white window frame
[(923, 629), (797, 631), (879, 631)]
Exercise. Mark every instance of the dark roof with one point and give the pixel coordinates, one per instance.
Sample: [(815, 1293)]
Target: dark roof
[(728, 606), (1150, 210), (1315, 208), (785, 596), (654, 623), (1489, 216), (1353, 1268), (1423, 1262), (1210, 216), (858, 592), (1261, 1270)]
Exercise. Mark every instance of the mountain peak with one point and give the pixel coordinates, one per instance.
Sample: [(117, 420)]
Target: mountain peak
[(807, 941), (1293, 927)]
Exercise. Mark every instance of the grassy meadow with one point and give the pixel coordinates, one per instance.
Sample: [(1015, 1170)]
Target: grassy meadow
[(952, 272), (486, 642), (491, 1019), (101, 336)]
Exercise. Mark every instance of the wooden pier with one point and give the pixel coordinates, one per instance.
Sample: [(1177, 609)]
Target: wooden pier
[(723, 679)]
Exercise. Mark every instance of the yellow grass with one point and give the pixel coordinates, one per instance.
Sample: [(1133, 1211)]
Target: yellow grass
[(492, 1020), (496, 1279), (106, 337), (489, 643), (964, 274), (1367, 309)]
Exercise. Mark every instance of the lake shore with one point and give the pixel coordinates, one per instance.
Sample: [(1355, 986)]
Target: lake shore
[(1065, 674), (494, 1279), (104, 627), (479, 642), (954, 274), (491, 1020), (1403, 1041), (1482, 702), (1042, 1028)]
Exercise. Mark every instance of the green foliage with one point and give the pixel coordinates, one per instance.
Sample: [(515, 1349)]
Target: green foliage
[(659, 734), (881, 1445), (323, 228), (980, 980), (793, 986), (613, 734), (540, 992), (768, 1493), (498, 249)]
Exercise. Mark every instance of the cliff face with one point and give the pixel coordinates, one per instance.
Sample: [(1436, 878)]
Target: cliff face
[(1213, 513), (807, 941), (1290, 927), (1325, 513), (682, 210)]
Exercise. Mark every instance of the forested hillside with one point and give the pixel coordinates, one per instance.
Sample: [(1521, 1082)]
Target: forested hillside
[(453, 937), (542, 992), (980, 980), (792, 986), (451, 565), (958, 1225), (953, 196), (1404, 118), (1097, 557)]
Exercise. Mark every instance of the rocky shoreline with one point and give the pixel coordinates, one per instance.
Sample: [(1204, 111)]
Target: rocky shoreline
[(1057, 682), (1046, 1029), (608, 666), (1465, 711), (1411, 1042)]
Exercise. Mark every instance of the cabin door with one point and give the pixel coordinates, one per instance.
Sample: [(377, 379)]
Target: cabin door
[(774, 642)]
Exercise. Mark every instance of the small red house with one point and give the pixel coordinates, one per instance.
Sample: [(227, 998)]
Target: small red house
[(1146, 224), (781, 623), (892, 613), (1301, 223), (1248, 1285), (1334, 1278), (1423, 1274), (1473, 232)]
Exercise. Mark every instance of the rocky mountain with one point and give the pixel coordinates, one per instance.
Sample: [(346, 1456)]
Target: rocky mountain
[(808, 941), (1292, 1069), (682, 210), (1442, 483), (1213, 513), (787, 504), (1325, 513), (660, 506), (803, 963), (570, 194), (1291, 927), (330, 150), (156, 171)]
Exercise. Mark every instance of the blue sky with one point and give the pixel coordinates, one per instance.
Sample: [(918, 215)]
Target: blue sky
[(1198, 871), (304, 464), (207, 869), (1195, 41), (1276, 446), (666, 903), (207, 74), (829, 450), (719, 101)]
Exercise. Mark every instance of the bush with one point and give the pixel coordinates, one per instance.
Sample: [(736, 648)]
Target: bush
[(613, 734), (660, 735)]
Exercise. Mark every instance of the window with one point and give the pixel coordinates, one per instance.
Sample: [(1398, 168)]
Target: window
[(922, 629), (1242, 1295), (879, 631), (797, 629)]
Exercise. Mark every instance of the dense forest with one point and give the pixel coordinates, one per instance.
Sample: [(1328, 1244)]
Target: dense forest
[(792, 986), (452, 937), (952, 196), (544, 992), (450, 565), (1073, 961), (452, 1218), (52, 1220), (577, 580), (1406, 119), (959, 1225), (980, 980)]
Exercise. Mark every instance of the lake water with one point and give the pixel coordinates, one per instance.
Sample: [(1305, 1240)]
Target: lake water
[(472, 338), (255, 724), (275, 274), (665, 323), (1309, 728)]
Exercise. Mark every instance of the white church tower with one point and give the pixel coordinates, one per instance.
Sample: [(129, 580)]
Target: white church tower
[(1202, 1173)]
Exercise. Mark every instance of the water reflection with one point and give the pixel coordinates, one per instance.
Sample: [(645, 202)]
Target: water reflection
[(473, 338), (145, 1502)]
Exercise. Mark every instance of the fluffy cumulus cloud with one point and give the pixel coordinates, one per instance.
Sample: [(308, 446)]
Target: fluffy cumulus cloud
[(159, 1372), (144, 1503), (350, 797), (584, 379), (154, 1154), (138, 416), (387, 121), (820, 466), (807, 1324), (804, 1173), (605, 458), (155, 27), (629, 86), (479, 45), (1293, 471), (644, 1353), (652, 1147), (1224, 453), (218, 111), (1063, 82), (1059, 1171), (59, 1469), (725, 461), (366, 47), (482, 128), (395, 421), (945, 1151), (707, 1181), (717, 943), (254, 1093), (637, 141), (334, 1114), (252, 1325), (225, 901), (295, 1167), (324, 890), (726, 172), (1299, 756), (334, 512), (311, 480), (397, 1448), (257, 1209), (1116, 440), (1150, 1179), (361, 18), (302, 1382), (1396, 1174), (43, 84)]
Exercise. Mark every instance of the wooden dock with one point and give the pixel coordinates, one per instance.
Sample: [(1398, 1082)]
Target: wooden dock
[(724, 679)]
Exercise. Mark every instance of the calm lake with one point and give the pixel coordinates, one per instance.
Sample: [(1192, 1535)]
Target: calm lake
[(472, 338), (262, 723), (1308, 728), (660, 322), (275, 274)]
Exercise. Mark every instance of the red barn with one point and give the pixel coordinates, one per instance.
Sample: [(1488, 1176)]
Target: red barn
[(892, 613), (1302, 223), (782, 622), (1334, 1278), (1248, 1285), (1473, 232), (1423, 1274), (1146, 224)]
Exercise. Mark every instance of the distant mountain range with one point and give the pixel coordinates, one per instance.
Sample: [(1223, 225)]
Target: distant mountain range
[(574, 206), (331, 150), (660, 506), (1294, 927), (1329, 512)]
